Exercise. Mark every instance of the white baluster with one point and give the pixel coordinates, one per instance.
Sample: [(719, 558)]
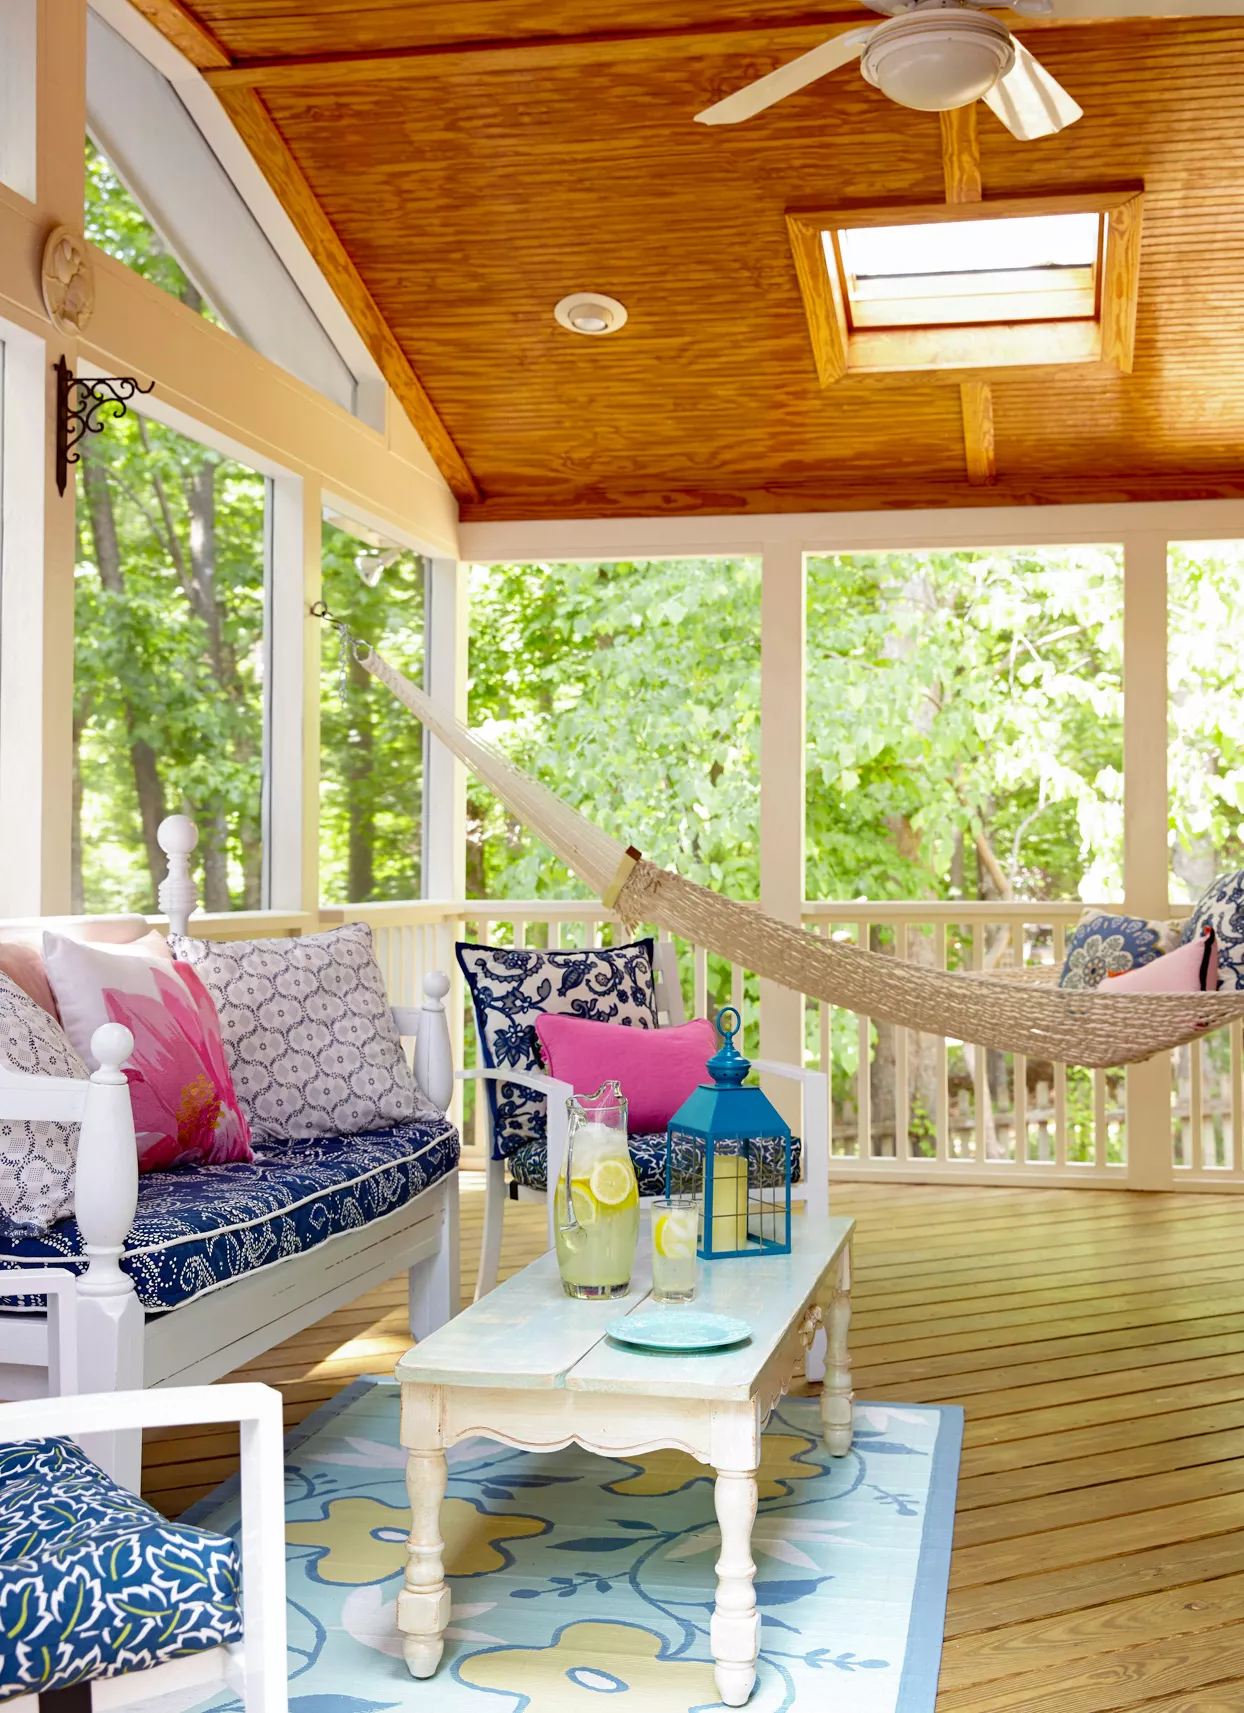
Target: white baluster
[(434, 1061), (110, 1317), (177, 836)]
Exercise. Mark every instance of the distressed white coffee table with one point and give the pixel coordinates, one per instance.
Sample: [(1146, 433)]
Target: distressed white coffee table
[(531, 1367)]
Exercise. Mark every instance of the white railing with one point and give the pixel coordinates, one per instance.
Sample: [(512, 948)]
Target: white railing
[(927, 1107)]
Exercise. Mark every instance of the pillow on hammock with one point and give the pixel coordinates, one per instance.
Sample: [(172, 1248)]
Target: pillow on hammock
[(512, 986), (1221, 908), (1190, 968), (1103, 945)]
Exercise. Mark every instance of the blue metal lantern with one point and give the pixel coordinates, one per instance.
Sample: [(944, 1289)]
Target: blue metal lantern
[(729, 1146)]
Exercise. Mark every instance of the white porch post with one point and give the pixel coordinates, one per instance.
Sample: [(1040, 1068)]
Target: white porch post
[(1145, 819), (36, 775), (782, 760), (292, 763), (446, 621)]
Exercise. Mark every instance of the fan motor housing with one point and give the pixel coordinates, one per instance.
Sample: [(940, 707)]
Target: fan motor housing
[(939, 59)]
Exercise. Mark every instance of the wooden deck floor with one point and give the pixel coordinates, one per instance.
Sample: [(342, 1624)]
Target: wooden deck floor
[(1096, 1340)]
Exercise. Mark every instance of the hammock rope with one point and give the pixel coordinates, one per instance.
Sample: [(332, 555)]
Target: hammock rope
[(1026, 1016)]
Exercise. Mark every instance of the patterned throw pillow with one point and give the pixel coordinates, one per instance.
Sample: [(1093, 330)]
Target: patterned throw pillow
[(1103, 945), (186, 1110), (1221, 907), (308, 1032), (38, 1160), (511, 987)]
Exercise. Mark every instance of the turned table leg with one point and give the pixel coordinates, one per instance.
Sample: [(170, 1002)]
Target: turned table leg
[(836, 1391), (423, 1604), (734, 1635)]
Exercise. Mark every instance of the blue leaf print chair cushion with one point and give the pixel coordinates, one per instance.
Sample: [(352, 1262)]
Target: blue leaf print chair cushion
[(1103, 945), (93, 1582), (1221, 907), (511, 986)]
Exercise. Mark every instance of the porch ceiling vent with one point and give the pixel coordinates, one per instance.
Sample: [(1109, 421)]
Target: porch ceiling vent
[(979, 285)]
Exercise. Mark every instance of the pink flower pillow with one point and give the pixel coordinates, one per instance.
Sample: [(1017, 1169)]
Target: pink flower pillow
[(1188, 969), (658, 1068), (186, 1111)]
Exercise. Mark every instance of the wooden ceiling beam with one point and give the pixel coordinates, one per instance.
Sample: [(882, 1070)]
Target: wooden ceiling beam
[(535, 53), (961, 169), (186, 33), (255, 126)]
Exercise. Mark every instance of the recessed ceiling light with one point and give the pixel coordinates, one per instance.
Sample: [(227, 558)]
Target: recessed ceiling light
[(590, 312)]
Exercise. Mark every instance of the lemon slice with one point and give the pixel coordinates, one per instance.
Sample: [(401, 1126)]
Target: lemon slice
[(672, 1239), (613, 1183), (584, 1202)]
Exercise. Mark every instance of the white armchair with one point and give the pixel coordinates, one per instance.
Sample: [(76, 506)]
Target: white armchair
[(812, 1190), (256, 1667)]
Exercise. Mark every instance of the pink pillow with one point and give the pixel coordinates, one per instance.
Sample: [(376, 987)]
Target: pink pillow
[(658, 1068), (24, 968), (1188, 969), (186, 1111)]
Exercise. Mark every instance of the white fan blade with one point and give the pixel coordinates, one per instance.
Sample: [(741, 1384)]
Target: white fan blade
[(1029, 102), (819, 62)]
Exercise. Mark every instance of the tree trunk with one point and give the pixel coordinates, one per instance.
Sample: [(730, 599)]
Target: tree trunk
[(361, 881), (77, 885), (147, 784), (215, 861)]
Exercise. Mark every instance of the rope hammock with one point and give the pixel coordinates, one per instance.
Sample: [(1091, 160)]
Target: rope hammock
[(1020, 1012)]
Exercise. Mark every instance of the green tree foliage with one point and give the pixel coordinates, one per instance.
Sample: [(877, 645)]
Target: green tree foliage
[(168, 670), (371, 749), (633, 690)]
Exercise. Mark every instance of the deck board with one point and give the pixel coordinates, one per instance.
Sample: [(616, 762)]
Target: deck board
[(1096, 1340)]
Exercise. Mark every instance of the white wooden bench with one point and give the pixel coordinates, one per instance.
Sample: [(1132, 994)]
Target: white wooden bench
[(123, 1347)]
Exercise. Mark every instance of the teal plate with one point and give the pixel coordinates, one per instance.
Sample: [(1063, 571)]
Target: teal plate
[(679, 1329)]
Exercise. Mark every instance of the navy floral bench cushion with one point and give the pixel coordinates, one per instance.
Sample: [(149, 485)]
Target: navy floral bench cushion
[(199, 1229), (530, 1166), (93, 1582)]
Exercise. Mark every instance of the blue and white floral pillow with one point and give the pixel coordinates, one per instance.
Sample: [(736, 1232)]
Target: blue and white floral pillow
[(1221, 907), (1103, 945), (512, 986)]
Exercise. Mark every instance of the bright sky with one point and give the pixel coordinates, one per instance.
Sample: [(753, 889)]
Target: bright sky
[(970, 246)]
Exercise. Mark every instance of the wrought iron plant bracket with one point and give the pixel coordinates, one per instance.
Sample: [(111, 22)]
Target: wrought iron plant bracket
[(80, 409)]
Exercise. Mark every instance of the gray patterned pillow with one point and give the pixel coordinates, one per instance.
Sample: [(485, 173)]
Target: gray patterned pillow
[(307, 1032), (38, 1159)]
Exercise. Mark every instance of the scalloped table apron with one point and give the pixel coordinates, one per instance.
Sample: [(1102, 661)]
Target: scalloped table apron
[(531, 1367)]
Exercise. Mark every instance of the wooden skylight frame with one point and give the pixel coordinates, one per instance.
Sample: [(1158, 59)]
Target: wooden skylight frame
[(1106, 336)]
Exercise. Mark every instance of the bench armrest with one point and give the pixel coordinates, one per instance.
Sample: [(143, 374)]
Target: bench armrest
[(537, 1081)]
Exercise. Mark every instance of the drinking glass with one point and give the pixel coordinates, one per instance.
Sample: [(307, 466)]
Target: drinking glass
[(675, 1227)]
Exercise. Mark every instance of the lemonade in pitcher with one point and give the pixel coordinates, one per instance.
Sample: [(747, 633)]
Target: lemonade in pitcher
[(596, 1205)]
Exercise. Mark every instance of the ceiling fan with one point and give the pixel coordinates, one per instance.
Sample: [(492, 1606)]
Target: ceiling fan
[(936, 55)]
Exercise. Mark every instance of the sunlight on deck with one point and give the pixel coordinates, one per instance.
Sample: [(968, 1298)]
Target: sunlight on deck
[(1097, 1345)]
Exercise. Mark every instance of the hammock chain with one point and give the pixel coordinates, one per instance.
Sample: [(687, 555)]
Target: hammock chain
[(352, 648)]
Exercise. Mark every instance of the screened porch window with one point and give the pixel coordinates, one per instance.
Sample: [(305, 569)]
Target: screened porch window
[(371, 749), (168, 667)]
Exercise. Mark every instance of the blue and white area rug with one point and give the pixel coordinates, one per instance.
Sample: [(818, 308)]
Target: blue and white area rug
[(576, 1577)]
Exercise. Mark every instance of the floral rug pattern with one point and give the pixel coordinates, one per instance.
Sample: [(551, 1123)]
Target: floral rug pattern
[(576, 1577)]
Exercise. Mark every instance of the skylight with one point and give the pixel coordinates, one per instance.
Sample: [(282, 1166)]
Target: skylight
[(955, 272)]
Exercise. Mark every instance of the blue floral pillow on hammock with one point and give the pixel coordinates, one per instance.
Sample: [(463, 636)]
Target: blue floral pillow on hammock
[(1221, 907), (1103, 945), (511, 986)]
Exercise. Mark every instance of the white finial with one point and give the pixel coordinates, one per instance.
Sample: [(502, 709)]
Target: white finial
[(111, 1045), (177, 836), (435, 987), (434, 1061)]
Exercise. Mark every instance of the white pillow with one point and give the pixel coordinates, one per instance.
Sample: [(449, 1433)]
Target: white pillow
[(308, 1032), (38, 1159), (79, 973)]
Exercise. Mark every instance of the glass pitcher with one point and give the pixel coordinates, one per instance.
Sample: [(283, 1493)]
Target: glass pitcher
[(596, 1205)]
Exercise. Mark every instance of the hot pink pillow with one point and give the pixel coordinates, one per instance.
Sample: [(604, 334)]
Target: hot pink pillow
[(1188, 969), (658, 1068), (186, 1110)]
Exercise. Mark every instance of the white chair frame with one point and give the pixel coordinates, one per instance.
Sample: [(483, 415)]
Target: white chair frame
[(812, 1190), (121, 1347), (256, 1668)]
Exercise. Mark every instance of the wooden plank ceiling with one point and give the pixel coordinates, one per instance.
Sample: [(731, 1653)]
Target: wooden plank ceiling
[(460, 165)]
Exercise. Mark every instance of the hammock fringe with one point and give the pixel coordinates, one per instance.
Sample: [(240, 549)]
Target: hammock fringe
[(1033, 1018)]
